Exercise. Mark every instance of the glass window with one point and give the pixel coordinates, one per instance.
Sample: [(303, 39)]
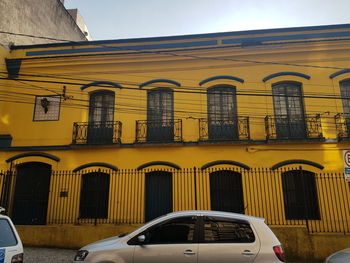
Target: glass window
[(225, 230), (222, 113), (289, 110), (345, 93), (7, 237), (175, 231), (160, 115), (221, 104), (101, 106), (160, 106), (288, 100)]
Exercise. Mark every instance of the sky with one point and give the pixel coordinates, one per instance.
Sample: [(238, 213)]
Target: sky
[(119, 19)]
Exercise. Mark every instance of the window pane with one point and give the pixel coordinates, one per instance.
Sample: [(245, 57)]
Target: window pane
[(221, 104), (290, 101), (176, 231), (101, 106), (160, 106), (289, 111), (7, 237), (220, 230), (345, 93)]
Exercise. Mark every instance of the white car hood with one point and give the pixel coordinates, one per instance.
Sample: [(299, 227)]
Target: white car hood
[(102, 244)]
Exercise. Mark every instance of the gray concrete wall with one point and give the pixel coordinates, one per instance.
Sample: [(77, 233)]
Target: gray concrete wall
[(47, 18)]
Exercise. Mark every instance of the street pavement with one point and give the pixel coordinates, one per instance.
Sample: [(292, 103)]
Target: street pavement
[(48, 255), (58, 255)]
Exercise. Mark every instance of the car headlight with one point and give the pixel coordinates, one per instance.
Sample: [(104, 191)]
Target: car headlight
[(81, 255)]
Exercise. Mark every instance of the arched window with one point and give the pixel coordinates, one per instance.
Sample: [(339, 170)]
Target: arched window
[(300, 195), (94, 195), (160, 115), (101, 116), (226, 191), (222, 112), (289, 110), (159, 194)]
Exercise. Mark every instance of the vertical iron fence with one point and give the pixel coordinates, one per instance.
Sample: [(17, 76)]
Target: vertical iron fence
[(283, 196)]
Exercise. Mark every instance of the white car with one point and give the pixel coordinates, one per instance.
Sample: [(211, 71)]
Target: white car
[(11, 248), (342, 256), (191, 237)]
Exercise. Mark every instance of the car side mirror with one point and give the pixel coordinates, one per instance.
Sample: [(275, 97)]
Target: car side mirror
[(141, 239)]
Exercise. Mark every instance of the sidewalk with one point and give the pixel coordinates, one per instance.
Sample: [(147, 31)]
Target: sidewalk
[(48, 255)]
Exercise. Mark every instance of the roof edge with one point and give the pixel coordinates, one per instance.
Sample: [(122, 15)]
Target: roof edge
[(183, 37)]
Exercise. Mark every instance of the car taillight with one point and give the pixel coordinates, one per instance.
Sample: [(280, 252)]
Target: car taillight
[(279, 253), (17, 258)]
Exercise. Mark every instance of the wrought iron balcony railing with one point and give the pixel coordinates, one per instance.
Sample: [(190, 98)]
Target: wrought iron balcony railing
[(108, 132), (224, 130), (342, 125), (282, 127), (159, 131)]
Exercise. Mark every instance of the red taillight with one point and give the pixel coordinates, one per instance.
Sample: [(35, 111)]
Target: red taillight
[(279, 253), (17, 258)]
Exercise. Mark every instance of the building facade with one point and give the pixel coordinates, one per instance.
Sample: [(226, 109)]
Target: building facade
[(113, 132)]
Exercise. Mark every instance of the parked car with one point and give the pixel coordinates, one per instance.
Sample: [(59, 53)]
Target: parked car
[(11, 248), (190, 236), (342, 256)]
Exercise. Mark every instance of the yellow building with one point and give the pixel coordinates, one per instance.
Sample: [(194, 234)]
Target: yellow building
[(122, 131)]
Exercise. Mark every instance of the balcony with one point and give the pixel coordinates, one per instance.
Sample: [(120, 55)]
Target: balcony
[(224, 130), (342, 125), (299, 128), (159, 131), (108, 132)]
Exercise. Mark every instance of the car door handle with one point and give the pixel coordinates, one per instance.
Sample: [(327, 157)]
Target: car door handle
[(247, 253), (189, 252)]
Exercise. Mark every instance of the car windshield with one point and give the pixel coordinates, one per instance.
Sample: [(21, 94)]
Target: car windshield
[(7, 237)]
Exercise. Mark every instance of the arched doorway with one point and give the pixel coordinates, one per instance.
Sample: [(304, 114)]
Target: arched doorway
[(31, 193), (159, 194), (226, 192)]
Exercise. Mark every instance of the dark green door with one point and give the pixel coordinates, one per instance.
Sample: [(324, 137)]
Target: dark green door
[(31, 193), (159, 194)]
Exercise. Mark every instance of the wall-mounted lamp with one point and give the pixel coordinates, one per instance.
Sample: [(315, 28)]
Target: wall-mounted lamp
[(45, 104)]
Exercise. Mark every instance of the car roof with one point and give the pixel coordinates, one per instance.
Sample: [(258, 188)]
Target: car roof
[(4, 216), (214, 213)]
